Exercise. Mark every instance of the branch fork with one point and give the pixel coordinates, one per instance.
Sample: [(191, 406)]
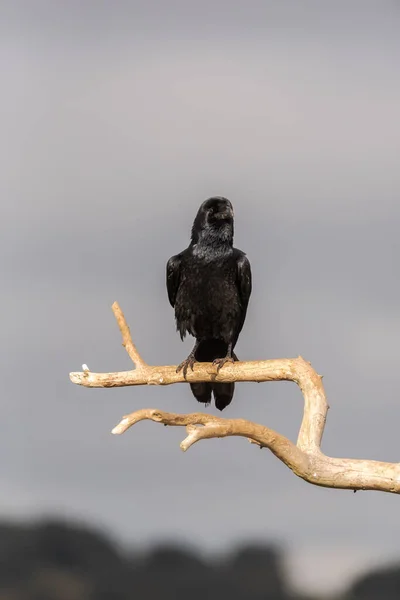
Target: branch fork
[(304, 458)]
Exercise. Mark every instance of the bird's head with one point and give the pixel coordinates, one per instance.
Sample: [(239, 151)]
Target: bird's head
[(214, 221)]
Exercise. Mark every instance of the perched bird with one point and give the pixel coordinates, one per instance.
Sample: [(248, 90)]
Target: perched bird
[(209, 285)]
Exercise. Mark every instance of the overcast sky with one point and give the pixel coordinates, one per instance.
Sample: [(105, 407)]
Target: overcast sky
[(118, 120)]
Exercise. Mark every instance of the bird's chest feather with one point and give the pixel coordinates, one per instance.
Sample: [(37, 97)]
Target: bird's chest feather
[(207, 301), (209, 284)]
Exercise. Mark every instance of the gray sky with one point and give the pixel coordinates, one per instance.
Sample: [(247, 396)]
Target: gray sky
[(118, 120)]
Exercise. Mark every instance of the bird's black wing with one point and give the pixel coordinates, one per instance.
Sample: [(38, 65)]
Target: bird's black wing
[(244, 279), (243, 282), (173, 277)]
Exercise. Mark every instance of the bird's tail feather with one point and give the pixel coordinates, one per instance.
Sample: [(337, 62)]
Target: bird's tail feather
[(202, 392), (222, 392)]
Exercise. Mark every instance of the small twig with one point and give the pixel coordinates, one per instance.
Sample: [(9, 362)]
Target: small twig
[(126, 337)]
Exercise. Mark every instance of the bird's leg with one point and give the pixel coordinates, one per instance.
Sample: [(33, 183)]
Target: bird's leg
[(228, 358), (189, 361)]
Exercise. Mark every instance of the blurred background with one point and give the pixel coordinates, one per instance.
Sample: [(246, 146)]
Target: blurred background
[(118, 119)]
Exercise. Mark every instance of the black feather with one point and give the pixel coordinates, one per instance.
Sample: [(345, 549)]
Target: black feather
[(209, 285)]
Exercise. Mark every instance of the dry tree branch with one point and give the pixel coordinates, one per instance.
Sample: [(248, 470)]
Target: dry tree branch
[(304, 458), (127, 338)]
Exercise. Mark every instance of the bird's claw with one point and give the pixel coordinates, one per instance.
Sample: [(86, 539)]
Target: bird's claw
[(188, 362), (219, 362)]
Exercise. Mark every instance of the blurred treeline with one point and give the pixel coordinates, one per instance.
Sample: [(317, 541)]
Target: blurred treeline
[(54, 560)]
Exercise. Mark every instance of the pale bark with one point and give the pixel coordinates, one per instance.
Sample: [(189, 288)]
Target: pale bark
[(304, 458)]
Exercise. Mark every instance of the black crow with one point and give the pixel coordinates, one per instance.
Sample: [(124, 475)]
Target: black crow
[(209, 285)]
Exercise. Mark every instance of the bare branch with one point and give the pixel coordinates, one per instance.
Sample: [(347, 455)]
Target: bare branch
[(126, 337), (200, 426), (304, 458)]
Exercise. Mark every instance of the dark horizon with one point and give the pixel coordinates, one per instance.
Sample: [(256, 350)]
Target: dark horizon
[(58, 559)]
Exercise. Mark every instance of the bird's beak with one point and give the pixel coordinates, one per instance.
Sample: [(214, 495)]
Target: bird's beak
[(225, 214)]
